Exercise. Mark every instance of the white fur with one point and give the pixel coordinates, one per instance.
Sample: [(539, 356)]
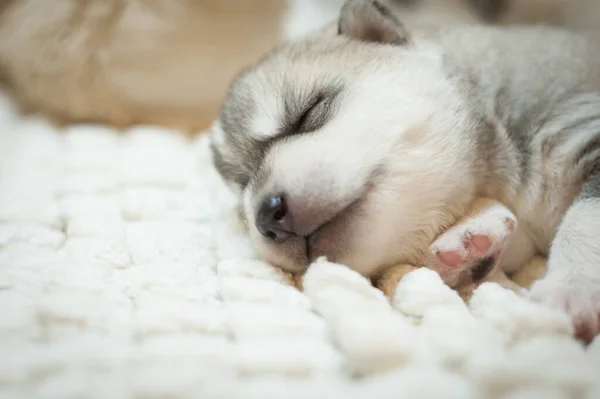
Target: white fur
[(265, 124), (340, 159), (491, 223), (573, 279)]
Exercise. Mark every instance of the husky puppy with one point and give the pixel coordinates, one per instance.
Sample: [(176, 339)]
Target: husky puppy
[(365, 142)]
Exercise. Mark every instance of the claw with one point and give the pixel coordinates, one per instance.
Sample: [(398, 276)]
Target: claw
[(510, 224), (467, 237)]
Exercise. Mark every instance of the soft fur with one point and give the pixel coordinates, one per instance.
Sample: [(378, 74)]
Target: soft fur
[(379, 138)]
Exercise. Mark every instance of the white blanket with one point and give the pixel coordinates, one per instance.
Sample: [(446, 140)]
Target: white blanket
[(120, 277)]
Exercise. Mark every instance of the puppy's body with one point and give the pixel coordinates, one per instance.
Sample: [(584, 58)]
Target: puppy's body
[(535, 94), (365, 145)]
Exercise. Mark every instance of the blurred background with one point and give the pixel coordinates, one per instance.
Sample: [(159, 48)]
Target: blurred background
[(124, 62)]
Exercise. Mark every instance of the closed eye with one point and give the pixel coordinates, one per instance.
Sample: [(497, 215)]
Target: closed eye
[(315, 115), (309, 110), (309, 120)]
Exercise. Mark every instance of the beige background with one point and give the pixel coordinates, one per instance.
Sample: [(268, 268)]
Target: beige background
[(125, 62), (236, 34)]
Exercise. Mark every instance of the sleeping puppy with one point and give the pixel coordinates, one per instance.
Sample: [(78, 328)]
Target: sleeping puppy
[(365, 142)]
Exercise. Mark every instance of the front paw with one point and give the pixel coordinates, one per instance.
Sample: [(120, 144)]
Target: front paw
[(467, 252), (579, 297)]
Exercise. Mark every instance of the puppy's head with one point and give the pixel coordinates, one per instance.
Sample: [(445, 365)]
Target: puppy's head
[(346, 145)]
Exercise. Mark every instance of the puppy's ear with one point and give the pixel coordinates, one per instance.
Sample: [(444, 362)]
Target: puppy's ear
[(371, 21)]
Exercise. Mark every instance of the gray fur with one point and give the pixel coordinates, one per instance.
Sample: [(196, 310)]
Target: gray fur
[(587, 160), (591, 187), (555, 110), (371, 21), (306, 110), (405, 3), (489, 10)]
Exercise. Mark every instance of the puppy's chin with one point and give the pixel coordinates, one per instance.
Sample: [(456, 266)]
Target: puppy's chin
[(333, 241), (297, 253), (291, 256)]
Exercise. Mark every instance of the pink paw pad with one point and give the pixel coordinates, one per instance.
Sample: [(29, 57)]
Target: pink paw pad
[(450, 258), (479, 244), (475, 239)]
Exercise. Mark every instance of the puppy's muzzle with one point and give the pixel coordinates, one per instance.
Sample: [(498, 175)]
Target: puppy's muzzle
[(280, 217), (274, 219)]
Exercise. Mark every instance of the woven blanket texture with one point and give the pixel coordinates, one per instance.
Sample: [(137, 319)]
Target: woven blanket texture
[(121, 276)]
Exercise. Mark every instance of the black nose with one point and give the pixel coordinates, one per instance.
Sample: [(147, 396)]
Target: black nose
[(273, 219)]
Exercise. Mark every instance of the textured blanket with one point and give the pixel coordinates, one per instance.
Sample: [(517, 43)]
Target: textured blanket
[(121, 277)]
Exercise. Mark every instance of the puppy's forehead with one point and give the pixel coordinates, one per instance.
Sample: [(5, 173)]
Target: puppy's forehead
[(285, 79), (264, 100), (291, 73)]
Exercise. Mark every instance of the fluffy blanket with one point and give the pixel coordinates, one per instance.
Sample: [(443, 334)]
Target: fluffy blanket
[(121, 277)]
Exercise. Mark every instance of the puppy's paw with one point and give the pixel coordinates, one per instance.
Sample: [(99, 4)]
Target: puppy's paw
[(474, 243), (579, 297)]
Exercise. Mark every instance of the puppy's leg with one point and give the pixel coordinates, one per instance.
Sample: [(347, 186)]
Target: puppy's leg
[(388, 280), (572, 281), (469, 251), (499, 276)]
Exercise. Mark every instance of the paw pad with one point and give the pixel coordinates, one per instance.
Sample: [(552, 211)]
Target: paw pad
[(474, 243)]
